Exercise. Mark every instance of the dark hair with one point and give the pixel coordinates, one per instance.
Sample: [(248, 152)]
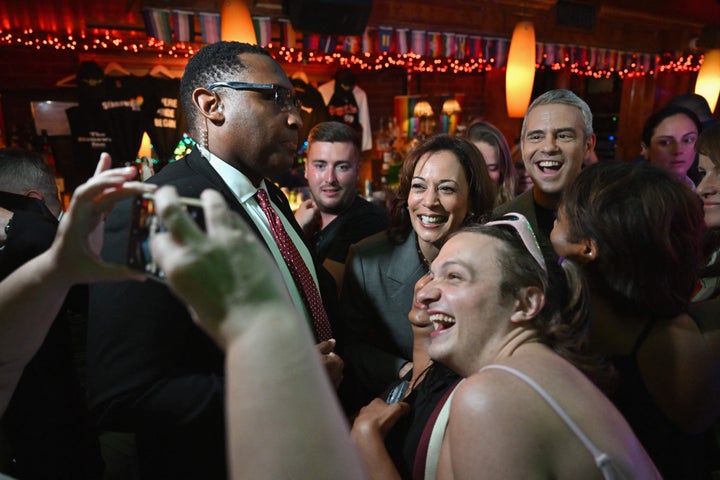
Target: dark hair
[(481, 192), (212, 63), (22, 170), (479, 131), (334, 132), (708, 143), (694, 102), (649, 230), (656, 118), (563, 322)]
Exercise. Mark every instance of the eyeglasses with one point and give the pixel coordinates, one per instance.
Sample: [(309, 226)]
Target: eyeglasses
[(523, 227), (283, 96)]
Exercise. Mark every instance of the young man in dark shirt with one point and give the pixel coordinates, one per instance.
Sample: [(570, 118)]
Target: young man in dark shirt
[(336, 217)]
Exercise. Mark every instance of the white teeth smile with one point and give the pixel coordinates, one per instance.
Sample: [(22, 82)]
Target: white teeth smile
[(441, 321), (434, 220), (551, 164)]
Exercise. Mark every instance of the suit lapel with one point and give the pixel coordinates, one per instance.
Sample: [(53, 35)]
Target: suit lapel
[(405, 263)]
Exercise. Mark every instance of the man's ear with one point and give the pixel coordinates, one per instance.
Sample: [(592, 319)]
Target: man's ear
[(529, 302), (208, 103), (590, 144), (34, 194)]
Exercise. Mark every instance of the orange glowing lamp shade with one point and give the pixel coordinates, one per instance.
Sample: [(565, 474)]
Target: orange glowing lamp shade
[(423, 109), (520, 72), (451, 106), (236, 22), (707, 84)]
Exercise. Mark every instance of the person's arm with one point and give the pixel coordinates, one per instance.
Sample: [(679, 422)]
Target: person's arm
[(31, 297), (278, 395)]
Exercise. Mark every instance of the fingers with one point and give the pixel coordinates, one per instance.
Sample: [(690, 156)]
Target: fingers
[(401, 408), (328, 346), (104, 163), (108, 199), (174, 217), (218, 215)]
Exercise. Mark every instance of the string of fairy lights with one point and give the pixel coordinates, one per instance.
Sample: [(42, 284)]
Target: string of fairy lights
[(631, 64)]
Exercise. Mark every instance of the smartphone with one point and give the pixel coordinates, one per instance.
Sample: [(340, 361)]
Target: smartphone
[(144, 224), (397, 394)]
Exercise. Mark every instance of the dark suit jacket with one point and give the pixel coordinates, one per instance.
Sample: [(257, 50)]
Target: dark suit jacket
[(46, 422), (525, 204), (377, 296), (150, 369)]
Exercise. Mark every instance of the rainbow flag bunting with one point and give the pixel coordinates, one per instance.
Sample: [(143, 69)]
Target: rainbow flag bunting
[(263, 30), (210, 26), (183, 30), (157, 24)]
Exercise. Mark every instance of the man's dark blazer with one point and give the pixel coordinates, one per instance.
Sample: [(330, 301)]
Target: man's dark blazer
[(523, 204), (150, 369), (47, 422)]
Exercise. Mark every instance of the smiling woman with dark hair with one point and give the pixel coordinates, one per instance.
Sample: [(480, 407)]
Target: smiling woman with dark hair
[(444, 183)]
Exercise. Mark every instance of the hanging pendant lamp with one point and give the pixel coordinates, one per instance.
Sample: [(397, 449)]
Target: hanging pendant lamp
[(708, 79), (236, 22), (520, 73)]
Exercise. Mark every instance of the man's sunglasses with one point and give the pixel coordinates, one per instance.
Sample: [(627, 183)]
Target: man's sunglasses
[(283, 96)]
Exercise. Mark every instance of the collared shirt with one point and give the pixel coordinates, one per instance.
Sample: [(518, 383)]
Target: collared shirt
[(245, 191)]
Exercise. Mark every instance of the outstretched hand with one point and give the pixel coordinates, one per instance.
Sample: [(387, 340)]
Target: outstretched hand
[(77, 245), (226, 269)]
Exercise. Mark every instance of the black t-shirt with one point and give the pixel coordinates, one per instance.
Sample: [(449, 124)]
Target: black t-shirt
[(359, 221), (403, 439), (163, 116)]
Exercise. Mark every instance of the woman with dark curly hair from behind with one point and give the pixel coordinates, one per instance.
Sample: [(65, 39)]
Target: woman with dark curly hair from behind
[(638, 231)]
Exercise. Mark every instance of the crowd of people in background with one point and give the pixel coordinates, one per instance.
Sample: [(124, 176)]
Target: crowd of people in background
[(514, 312)]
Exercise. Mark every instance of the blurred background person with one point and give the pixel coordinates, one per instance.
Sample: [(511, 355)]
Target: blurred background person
[(524, 181), (496, 153), (336, 216), (668, 140)]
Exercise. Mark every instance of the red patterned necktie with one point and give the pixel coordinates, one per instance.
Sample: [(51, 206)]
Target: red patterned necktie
[(300, 273)]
